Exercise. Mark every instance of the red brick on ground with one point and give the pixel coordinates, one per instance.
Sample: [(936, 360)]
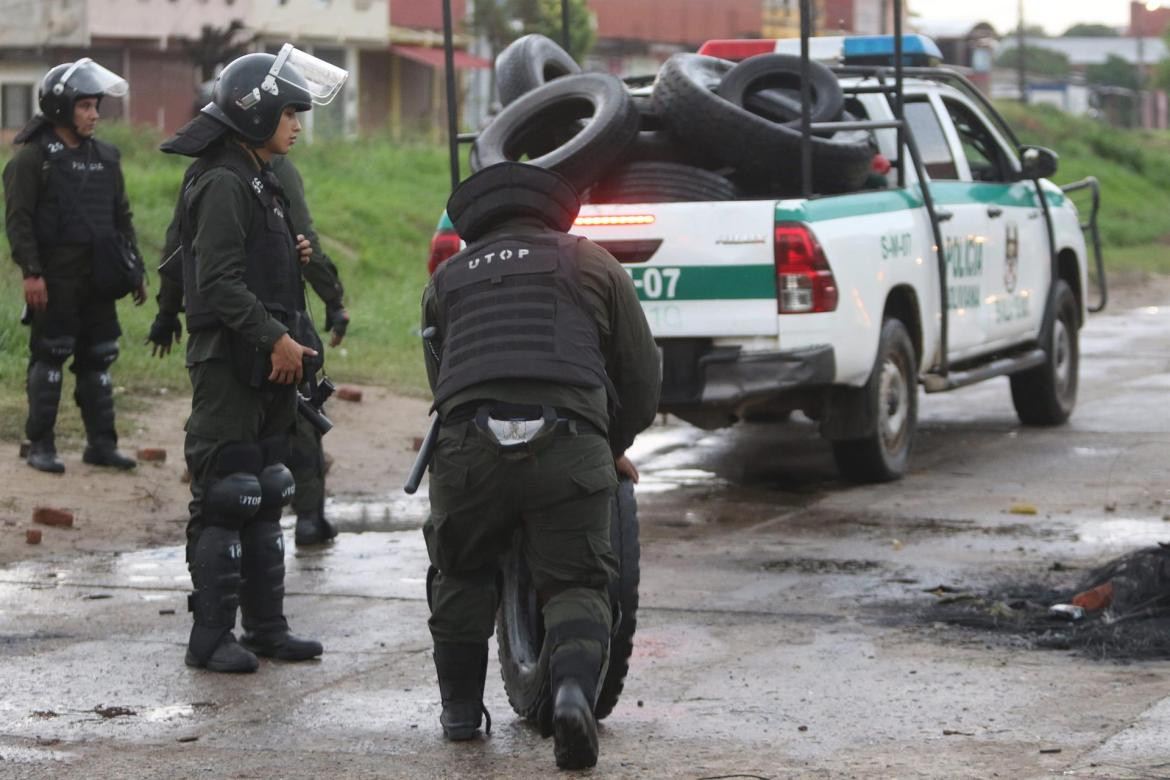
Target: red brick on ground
[(152, 454), (349, 393), (32, 535), (47, 515)]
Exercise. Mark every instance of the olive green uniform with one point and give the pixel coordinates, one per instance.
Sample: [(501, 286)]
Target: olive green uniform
[(558, 489), (225, 409)]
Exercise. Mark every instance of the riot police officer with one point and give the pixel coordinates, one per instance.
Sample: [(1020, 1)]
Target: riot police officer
[(306, 456), (246, 351), (65, 195), (543, 371)]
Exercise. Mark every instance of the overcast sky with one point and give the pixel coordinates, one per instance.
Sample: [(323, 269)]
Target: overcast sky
[(1054, 15)]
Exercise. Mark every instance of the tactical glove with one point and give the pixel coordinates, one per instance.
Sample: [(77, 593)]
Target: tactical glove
[(165, 331), (337, 321)]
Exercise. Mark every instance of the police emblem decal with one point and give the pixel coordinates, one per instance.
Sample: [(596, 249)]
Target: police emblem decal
[(257, 185), (1011, 257)]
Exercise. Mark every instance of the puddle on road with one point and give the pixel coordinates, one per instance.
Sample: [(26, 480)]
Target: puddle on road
[(21, 755), (1124, 531), (391, 513)]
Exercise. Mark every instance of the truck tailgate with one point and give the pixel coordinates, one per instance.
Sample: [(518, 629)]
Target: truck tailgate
[(700, 269)]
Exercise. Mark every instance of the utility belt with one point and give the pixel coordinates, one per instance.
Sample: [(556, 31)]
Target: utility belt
[(513, 427)]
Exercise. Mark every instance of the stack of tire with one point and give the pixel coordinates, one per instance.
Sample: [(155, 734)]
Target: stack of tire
[(710, 129)]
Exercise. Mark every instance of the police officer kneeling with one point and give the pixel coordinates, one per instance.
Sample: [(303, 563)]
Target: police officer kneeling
[(543, 370), (244, 303)]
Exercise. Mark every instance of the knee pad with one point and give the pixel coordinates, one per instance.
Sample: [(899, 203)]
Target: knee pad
[(98, 357), (234, 493), (276, 481), (53, 350)]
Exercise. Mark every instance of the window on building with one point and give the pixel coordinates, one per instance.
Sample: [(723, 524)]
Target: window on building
[(16, 105), (932, 142)]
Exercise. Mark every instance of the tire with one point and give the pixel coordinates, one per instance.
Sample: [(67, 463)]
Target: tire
[(1047, 394), (530, 62), (543, 127), (624, 593), (520, 624), (775, 78), (661, 182), (890, 398), (743, 139)]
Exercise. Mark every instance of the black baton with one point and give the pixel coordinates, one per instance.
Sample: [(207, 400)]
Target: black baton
[(427, 449)]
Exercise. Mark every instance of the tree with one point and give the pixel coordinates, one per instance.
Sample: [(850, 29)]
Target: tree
[(1090, 30), (1043, 62), (1114, 72), (503, 21), (217, 46)]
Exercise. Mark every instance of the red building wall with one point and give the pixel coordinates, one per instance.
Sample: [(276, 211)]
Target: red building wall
[(1145, 22), (425, 14), (677, 21)]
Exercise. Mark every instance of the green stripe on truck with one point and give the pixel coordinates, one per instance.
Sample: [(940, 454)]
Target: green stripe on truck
[(704, 282), (946, 193)]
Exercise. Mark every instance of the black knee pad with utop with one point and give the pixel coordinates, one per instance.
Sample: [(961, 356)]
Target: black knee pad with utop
[(53, 350), (276, 481), (234, 493)]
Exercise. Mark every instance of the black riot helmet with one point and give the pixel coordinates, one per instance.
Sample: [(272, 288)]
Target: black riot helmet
[(69, 82), (252, 92), (512, 189)]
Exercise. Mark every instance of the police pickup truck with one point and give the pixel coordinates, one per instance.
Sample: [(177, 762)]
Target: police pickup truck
[(841, 306)]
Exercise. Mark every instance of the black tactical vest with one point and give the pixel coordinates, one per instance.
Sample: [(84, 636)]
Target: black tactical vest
[(76, 203), (271, 272), (511, 307)]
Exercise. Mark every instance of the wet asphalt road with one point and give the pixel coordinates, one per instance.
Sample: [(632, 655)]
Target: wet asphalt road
[(781, 634)]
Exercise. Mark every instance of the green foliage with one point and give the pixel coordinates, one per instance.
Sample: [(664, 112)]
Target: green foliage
[(503, 21), (1115, 72), (1045, 62), (375, 204), (1090, 30)]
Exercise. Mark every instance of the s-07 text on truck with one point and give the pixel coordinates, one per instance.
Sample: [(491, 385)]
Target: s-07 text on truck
[(964, 265)]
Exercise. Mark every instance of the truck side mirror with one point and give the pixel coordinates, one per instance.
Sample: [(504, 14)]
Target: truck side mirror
[(1037, 162)]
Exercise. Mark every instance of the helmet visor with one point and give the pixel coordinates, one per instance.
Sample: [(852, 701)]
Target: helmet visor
[(89, 78), (319, 78)]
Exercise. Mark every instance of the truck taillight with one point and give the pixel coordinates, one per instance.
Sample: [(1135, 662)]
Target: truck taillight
[(443, 244), (804, 280)]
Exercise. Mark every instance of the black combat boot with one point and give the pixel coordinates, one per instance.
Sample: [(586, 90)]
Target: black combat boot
[(313, 528), (266, 630), (574, 676), (462, 671), (44, 396), (95, 397), (215, 572)]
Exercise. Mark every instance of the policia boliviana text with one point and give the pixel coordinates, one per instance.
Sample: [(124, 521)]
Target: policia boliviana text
[(245, 352), (306, 456), (543, 370), (65, 197)]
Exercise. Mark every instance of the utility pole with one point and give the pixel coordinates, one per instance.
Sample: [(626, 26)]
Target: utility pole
[(1021, 58)]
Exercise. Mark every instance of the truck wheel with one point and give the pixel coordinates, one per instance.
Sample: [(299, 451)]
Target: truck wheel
[(529, 62), (544, 127), (1046, 394), (697, 115), (661, 182), (623, 592), (520, 623), (891, 400)]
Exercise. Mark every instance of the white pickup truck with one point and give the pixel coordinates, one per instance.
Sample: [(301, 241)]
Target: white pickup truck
[(838, 306)]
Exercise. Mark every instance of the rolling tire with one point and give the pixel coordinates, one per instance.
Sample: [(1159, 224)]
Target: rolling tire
[(776, 78), (891, 400), (624, 593), (520, 624), (530, 62), (661, 182), (699, 116), (1047, 394), (543, 127)]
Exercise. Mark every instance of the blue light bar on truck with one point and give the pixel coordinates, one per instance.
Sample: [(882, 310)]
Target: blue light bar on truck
[(917, 50)]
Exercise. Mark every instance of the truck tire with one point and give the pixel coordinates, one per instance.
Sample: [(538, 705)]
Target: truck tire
[(529, 62), (543, 127), (661, 182), (891, 400), (520, 624), (775, 79), (700, 117), (1046, 394)]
